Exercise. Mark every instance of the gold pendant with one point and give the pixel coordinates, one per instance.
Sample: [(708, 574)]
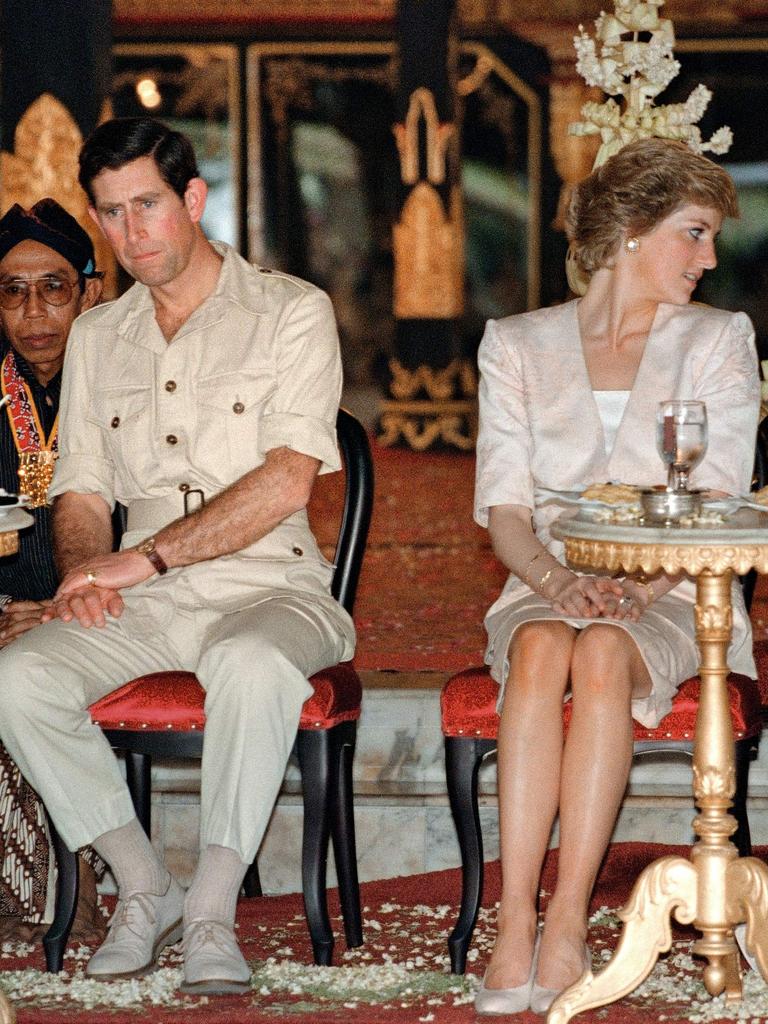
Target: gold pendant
[(35, 475)]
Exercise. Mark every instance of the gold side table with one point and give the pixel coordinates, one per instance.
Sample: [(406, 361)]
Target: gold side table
[(10, 524), (715, 890), (11, 521)]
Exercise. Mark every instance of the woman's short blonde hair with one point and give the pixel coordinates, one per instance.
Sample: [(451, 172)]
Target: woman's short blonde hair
[(635, 190)]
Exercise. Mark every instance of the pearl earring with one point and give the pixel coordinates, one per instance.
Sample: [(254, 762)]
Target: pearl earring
[(632, 245)]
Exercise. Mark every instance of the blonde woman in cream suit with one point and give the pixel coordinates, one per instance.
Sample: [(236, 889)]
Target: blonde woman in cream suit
[(568, 397)]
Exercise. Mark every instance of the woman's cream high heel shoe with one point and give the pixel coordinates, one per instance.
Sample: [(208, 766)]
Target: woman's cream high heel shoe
[(542, 998), (508, 1000)]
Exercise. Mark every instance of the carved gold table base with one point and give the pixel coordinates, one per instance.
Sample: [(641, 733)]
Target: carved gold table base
[(7, 1012), (716, 890), (9, 543)]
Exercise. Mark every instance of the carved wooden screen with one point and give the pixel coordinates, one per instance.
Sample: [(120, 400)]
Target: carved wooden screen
[(323, 175)]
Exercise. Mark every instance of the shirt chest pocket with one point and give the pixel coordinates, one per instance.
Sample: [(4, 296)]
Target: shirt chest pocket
[(124, 416), (230, 408)]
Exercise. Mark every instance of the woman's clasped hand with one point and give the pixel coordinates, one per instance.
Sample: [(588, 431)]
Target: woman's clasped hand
[(599, 597)]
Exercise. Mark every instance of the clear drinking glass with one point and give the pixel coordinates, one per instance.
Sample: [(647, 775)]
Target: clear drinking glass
[(681, 439)]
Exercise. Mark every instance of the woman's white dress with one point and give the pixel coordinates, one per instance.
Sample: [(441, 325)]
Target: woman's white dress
[(541, 429)]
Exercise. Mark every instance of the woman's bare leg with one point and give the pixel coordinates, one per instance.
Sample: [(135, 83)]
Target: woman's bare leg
[(530, 750), (606, 672)]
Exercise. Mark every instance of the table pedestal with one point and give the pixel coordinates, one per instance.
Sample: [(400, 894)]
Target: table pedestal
[(715, 890), (7, 1013)]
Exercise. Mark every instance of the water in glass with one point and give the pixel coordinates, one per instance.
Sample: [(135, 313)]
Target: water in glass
[(681, 439)]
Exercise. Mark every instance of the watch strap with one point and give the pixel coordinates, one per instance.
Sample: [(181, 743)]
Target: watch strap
[(147, 548)]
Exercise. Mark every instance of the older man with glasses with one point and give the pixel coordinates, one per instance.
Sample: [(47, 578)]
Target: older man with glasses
[(47, 278)]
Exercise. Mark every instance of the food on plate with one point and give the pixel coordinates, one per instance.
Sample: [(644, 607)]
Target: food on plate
[(614, 494)]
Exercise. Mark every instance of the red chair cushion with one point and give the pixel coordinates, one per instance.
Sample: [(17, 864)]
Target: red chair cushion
[(468, 708), (174, 701)]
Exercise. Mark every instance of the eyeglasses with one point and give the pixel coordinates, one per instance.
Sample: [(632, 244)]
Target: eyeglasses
[(54, 291)]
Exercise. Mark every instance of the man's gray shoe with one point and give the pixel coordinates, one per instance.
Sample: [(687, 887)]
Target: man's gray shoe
[(213, 963), (142, 926)]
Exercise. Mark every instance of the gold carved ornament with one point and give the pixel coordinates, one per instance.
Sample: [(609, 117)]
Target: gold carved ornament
[(421, 106), (9, 545), (671, 558), (429, 257), (438, 384), (44, 163), (439, 417), (438, 424), (428, 242)]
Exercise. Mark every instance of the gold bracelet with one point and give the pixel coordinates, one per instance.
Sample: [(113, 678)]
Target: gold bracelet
[(545, 577), (648, 587), (535, 558)]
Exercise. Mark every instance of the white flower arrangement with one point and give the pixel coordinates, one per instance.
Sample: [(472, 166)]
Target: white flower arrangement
[(637, 69)]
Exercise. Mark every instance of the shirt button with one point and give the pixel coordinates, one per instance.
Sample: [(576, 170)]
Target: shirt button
[(171, 439), (238, 407), (115, 421), (170, 385), (297, 551), (183, 488)]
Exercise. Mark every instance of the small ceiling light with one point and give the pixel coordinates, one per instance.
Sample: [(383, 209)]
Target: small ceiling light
[(147, 91)]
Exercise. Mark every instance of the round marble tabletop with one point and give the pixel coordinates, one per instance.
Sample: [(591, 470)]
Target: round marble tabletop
[(739, 543), (14, 519)]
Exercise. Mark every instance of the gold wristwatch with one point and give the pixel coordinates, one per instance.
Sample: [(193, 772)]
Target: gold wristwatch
[(147, 548)]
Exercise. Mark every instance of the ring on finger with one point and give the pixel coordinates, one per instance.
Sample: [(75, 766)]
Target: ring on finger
[(90, 575), (625, 602)]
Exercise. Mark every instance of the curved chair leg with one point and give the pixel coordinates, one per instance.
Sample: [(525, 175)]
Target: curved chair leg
[(138, 776), (746, 751), (252, 881), (316, 763), (55, 940), (343, 833), (463, 756)]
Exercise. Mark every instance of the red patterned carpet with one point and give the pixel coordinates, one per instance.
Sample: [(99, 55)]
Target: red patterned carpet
[(400, 975), (429, 574)]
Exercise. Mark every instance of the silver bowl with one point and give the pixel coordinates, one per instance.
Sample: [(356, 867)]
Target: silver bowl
[(667, 507)]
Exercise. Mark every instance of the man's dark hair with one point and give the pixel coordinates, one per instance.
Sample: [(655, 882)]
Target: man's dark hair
[(120, 141)]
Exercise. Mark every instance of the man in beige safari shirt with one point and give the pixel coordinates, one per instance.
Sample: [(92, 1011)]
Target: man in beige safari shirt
[(209, 378)]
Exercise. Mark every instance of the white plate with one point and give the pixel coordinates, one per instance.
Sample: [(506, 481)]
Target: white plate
[(22, 500), (724, 505), (15, 519), (575, 498), (745, 501)]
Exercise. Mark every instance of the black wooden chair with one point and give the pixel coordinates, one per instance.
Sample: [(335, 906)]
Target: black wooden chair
[(138, 720), (470, 725)]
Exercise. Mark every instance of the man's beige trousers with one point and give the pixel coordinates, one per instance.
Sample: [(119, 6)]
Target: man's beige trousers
[(253, 665)]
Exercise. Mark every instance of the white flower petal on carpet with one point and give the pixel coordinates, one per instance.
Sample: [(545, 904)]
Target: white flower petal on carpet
[(403, 965)]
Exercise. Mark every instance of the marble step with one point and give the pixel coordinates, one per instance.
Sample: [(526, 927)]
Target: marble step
[(403, 820)]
